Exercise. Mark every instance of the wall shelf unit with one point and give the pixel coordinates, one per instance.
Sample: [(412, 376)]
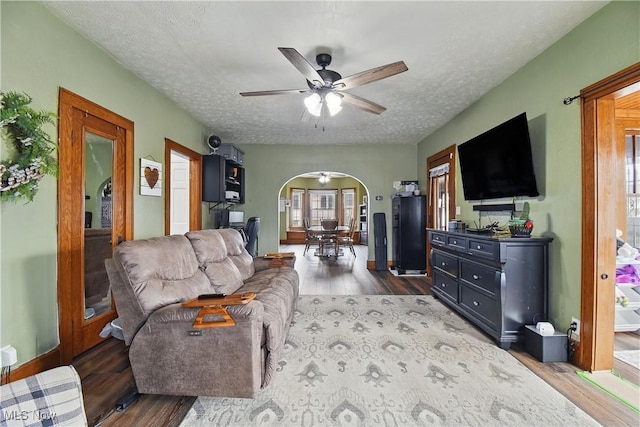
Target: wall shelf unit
[(222, 180), (362, 219)]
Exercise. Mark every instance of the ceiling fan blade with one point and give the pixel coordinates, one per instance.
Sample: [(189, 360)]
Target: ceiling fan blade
[(302, 65), (275, 92), (371, 75), (361, 103), (305, 116)]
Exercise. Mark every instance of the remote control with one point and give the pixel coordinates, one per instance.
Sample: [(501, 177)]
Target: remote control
[(208, 296)]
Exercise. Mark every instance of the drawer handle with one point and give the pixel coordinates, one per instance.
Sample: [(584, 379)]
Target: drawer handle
[(479, 247), (443, 285), (444, 264), (455, 242), (476, 277), (476, 303)]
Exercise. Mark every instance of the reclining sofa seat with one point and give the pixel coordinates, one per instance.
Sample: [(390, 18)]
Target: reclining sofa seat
[(151, 278)]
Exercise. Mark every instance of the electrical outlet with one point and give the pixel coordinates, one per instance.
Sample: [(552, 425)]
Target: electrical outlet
[(576, 333), (8, 355)]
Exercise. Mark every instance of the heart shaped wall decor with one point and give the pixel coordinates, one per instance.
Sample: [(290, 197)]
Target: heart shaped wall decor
[(151, 175)]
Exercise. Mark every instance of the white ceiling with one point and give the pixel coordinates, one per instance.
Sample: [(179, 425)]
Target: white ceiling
[(202, 54)]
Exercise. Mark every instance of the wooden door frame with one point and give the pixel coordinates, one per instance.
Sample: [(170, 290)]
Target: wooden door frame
[(599, 161), (448, 155), (68, 102), (195, 185)]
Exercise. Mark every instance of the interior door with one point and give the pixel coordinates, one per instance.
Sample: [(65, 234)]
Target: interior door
[(183, 198), (600, 168), (441, 192), (179, 194), (94, 214)]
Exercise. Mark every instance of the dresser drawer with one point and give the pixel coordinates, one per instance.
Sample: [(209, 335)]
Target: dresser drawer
[(480, 275), (457, 243), (437, 239), (482, 306), (484, 248), (446, 263), (443, 284)]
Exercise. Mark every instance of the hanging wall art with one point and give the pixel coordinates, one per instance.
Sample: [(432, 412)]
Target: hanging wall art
[(31, 149), (150, 178)]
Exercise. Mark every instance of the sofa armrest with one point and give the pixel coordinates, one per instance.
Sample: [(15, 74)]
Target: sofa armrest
[(261, 263), (169, 356)]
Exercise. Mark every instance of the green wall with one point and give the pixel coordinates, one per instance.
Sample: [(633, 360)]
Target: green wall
[(602, 45), (39, 54), (270, 166)]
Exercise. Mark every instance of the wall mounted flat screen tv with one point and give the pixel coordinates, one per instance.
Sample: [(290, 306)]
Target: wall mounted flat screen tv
[(498, 163)]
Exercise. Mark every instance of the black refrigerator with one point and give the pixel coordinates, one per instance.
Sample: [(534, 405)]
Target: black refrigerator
[(409, 225)]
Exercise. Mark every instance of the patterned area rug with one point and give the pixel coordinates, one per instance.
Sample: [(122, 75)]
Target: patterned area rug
[(630, 357), (389, 361)]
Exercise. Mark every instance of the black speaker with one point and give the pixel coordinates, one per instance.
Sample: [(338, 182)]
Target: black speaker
[(380, 240)]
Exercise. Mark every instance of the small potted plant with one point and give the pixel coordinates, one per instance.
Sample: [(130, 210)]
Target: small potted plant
[(523, 226)]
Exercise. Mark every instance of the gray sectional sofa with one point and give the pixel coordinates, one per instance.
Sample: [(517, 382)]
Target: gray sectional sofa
[(151, 278)]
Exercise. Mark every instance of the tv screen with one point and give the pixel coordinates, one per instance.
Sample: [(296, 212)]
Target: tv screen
[(498, 163)]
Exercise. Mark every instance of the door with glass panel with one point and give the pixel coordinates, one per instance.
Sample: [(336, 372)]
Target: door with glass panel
[(94, 215), (441, 190)]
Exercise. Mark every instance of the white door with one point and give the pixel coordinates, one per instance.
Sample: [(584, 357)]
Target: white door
[(179, 193)]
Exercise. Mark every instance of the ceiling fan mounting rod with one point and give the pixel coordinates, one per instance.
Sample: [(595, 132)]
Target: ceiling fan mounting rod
[(323, 59)]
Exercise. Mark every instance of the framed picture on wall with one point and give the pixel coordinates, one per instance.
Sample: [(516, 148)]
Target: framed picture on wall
[(150, 178)]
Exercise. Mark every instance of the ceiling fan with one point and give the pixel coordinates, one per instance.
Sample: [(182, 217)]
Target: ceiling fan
[(327, 87)]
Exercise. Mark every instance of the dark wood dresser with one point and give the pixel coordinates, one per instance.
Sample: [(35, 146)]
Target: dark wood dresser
[(499, 284)]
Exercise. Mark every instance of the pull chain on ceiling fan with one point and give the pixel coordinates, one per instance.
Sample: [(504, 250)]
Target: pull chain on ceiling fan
[(327, 87)]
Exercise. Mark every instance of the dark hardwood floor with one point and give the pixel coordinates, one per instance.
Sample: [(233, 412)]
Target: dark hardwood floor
[(106, 374)]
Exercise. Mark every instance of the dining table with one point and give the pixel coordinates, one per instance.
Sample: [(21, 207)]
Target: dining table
[(329, 236)]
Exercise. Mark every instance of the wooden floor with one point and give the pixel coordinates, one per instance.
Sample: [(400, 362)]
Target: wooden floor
[(106, 374)]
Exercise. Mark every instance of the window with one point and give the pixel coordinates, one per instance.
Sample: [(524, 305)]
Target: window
[(348, 205), (296, 211), (322, 205)]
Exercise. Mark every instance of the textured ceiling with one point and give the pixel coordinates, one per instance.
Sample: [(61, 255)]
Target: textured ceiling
[(202, 54)]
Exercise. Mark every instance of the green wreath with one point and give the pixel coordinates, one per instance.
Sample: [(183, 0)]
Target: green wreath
[(33, 148)]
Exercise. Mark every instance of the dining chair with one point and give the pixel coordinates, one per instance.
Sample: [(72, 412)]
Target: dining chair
[(310, 237), (329, 224), (348, 239), (330, 239)]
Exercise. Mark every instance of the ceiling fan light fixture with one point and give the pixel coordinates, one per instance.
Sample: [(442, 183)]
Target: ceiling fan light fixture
[(313, 103), (334, 109), (324, 178), (333, 99)]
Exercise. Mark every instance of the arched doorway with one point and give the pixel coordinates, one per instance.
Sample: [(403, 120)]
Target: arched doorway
[(322, 194)]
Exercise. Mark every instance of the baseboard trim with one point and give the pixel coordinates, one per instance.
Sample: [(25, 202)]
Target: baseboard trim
[(49, 360), (371, 264)]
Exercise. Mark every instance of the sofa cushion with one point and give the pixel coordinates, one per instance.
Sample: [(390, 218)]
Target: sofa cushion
[(222, 257), (162, 271)]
